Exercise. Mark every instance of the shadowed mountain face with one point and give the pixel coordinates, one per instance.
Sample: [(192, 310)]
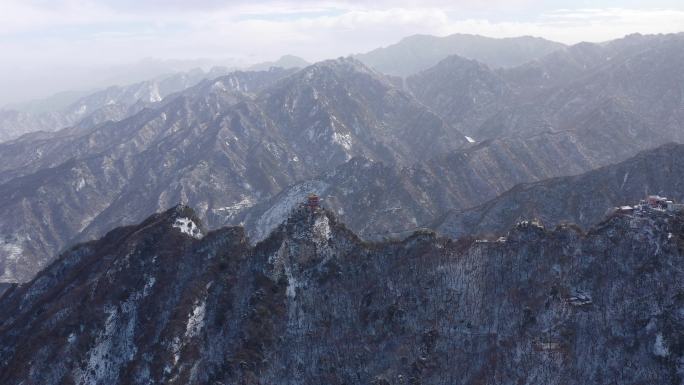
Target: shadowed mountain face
[(465, 92), (166, 302), (416, 53), (582, 199)]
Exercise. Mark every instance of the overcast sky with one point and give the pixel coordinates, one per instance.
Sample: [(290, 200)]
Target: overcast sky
[(46, 45)]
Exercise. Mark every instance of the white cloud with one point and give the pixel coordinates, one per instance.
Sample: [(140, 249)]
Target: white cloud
[(95, 34), (572, 26)]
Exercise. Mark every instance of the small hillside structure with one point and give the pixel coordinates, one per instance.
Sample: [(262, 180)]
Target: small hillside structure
[(313, 202)]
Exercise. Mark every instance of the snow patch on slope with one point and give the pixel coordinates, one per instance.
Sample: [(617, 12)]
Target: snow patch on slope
[(624, 180), (231, 211), (321, 228), (115, 344), (196, 320), (187, 226), (155, 96), (343, 140), (292, 283), (80, 184), (659, 347), (219, 86), (11, 250)]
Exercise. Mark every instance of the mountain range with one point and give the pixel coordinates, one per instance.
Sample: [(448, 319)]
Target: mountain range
[(377, 199), (443, 210), (624, 97), (165, 301), (387, 154), (113, 103), (420, 52), (215, 144)]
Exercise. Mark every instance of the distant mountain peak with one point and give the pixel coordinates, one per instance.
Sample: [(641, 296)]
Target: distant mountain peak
[(285, 62), (418, 52), (341, 65), (457, 60)]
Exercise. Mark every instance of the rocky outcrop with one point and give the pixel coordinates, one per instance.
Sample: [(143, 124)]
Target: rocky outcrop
[(161, 303)]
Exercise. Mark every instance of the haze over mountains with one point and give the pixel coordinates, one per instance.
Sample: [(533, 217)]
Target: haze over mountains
[(285, 61), (412, 54), (420, 52), (112, 103), (437, 211), (215, 145), (387, 156)]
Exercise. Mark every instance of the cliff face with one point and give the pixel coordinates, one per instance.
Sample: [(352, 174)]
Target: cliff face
[(165, 302)]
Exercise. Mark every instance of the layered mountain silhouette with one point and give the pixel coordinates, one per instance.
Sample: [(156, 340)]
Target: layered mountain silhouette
[(388, 155), (614, 99), (462, 229)]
